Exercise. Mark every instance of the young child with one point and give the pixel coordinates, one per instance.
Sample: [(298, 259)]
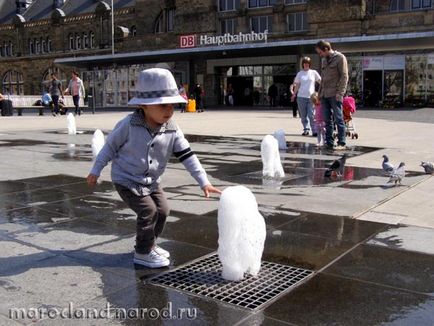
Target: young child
[(319, 119), (139, 147)]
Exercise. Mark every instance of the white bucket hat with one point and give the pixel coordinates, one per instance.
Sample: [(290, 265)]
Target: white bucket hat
[(156, 86)]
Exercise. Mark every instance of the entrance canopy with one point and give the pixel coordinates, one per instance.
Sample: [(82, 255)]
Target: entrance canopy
[(353, 44)]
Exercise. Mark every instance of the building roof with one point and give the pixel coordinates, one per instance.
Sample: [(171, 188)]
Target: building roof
[(8, 9), (77, 7), (42, 9)]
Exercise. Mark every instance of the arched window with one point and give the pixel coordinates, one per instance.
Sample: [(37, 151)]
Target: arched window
[(43, 45), (78, 41), (46, 78), (7, 50), (13, 83), (37, 46), (170, 20), (11, 48), (92, 40), (133, 31), (159, 23), (31, 47), (49, 45), (85, 41), (165, 21), (1, 50), (71, 42)]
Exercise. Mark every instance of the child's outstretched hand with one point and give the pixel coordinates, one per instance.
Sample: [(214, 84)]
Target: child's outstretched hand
[(91, 180), (209, 189)]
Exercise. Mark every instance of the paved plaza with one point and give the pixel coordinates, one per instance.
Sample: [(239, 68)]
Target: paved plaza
[(367, 245)]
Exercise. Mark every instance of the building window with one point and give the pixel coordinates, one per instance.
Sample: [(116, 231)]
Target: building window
[(13, 83), (165, 21), (297, 22), (294, 2), (260, 24), (261, 3), (31, 47), (85, 41), (43, 46), (77, 41), (158, 27), (228, 26), (226, 5), (421, 4), (92, 40), (71, 42), (49, 45), (1, 51), (170, 19), (38, 46), (133, 31), (46, 78)]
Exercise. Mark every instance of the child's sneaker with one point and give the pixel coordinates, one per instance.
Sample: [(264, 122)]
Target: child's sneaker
[(161, 251), (151, 260), (340, 148)]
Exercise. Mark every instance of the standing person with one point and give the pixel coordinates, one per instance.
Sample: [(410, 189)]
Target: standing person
[(334, 73), (183, 94), (198, 93), (140, 147), (319, 119), (304, 87), (76, 89), (55, 92), (230, 95), (272, 94), (293, 101)]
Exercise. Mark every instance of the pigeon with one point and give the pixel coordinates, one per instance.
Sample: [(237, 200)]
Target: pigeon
[(398, 174), (337, 166), (387, 166), (428, 166)]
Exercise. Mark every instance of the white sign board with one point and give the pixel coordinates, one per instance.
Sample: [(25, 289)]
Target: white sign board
[(372, 63), (394, 62)]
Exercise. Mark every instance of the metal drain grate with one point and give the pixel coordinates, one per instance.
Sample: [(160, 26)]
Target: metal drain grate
[(202, 278)]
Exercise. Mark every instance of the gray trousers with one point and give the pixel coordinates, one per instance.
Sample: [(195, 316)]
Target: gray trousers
[(151, 210)]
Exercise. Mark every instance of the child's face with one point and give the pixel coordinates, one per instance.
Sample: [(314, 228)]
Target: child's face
[(158, 114)]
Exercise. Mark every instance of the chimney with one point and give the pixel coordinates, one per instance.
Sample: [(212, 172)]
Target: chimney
[(22, 5)]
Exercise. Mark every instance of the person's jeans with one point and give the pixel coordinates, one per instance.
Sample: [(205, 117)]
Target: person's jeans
[(151, 210), (306, 113), (55, 99), (332, 111), (76, 100)]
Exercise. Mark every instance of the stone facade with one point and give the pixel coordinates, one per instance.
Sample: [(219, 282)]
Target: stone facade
[(60, 36)]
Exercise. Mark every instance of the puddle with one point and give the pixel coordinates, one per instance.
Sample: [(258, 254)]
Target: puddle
[(79, 132)]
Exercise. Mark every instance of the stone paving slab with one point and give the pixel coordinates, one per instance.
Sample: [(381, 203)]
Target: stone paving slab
[(66, 243), (328, 300), (403, 270)]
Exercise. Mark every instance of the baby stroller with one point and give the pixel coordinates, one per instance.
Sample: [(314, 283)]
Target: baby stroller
[(349, 108)]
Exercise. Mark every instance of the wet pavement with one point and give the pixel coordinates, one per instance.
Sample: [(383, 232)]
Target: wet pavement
[(63, 243)]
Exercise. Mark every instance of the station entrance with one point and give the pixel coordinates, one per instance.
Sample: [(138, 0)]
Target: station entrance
[(251, 85)]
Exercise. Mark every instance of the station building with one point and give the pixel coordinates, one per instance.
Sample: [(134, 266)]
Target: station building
[(247, 45)]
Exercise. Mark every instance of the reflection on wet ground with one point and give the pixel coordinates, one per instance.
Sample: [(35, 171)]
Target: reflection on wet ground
[(56, 233)]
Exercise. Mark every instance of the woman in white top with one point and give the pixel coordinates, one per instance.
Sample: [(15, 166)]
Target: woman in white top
[(303, 89)]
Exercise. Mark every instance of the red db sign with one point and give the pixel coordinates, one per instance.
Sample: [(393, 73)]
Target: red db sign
[(187, 41)]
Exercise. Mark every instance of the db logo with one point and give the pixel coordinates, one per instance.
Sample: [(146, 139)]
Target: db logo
[(187, 41)]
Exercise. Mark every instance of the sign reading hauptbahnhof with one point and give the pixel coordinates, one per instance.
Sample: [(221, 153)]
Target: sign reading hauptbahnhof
[(192, 41)]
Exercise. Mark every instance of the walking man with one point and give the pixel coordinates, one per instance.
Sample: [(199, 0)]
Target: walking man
[(76, 89), (334, 76)]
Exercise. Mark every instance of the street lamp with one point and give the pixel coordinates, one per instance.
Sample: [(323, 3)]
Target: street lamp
[(113, 30)]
